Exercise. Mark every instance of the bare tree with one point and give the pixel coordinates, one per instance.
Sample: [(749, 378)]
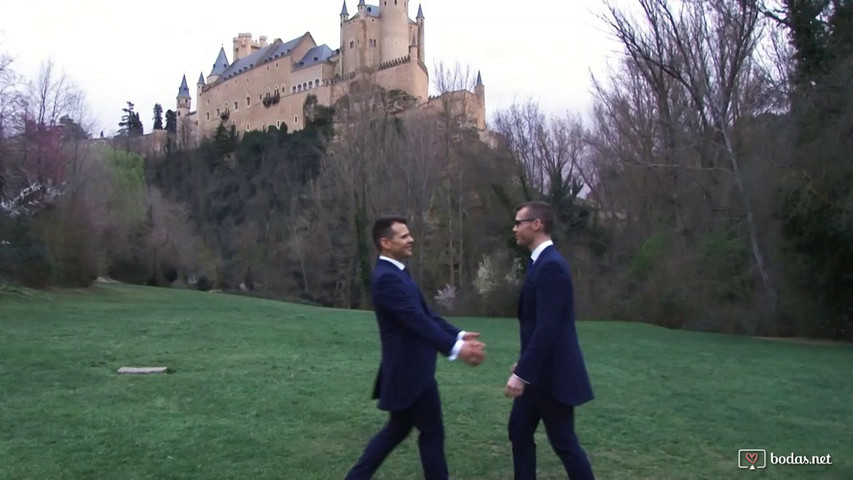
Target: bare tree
[(9, 98), (9, 102), (549, 155), (351, 185), (52, 95), (705, 51), (454, 86)]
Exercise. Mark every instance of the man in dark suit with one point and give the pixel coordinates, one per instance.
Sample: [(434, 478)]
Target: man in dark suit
[(411, 334), (550, 379)]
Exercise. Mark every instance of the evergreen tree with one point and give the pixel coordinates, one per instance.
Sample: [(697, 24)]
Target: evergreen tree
[(171, 122), (817, 203), (158, 117), (72, 131), (130, 124)]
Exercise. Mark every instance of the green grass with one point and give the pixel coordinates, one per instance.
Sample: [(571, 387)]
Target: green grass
[(269, 390)]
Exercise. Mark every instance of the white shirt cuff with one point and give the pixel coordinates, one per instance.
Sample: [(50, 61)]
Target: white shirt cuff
[(522, 380), (457, 346)]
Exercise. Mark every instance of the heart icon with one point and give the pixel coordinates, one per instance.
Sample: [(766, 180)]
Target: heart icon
[(751, 457)]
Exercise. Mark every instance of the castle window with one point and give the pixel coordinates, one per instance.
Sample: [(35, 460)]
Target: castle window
[(351, 44), (278, 123), (236, 106), (293, 89), (317, 82), (276, 64), (208, 115), (217, 112), (247, 127), (248, 101), (295, 119)]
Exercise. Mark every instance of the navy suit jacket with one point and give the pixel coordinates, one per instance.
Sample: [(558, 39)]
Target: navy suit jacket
[(551, 358), (411, 335)]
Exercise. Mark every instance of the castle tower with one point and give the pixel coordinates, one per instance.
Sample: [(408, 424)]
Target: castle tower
[(184, 100), (344, 17), (480, 90), (199, 84), (480, 93), (219, 66), (244, 45), (394, 22), (420, 20), (413, 47), (355, 33)]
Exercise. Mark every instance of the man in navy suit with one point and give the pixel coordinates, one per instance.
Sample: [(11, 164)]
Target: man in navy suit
[(550, 379), (411, 334)]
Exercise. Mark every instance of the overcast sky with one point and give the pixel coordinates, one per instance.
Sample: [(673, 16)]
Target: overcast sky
[(138, 51)]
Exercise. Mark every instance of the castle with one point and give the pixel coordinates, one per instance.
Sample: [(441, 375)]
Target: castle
[(266, 84)]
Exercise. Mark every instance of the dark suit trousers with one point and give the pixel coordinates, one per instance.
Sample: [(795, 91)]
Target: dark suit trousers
[(559, 419), (425, 415)]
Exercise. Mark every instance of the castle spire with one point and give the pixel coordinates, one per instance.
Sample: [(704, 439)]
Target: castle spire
[(200, 78), (361, 3), (221, 63), (479, 78), (184, 90), (420, 12), (344, 10)]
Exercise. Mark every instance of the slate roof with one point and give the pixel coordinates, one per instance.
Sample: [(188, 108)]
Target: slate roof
[(220, 64), (318, 54), (184, 90), (258, 57)]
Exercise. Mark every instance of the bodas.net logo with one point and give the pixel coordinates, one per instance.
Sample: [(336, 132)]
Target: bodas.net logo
[(752, 458)]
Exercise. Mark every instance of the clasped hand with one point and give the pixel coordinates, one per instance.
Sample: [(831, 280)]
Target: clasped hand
[(473, 350)]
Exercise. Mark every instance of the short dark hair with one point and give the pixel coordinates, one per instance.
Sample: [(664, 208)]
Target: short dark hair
[(382, 228), (541, 210)]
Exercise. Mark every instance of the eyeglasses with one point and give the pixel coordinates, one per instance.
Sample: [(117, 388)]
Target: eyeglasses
[(519, 222)]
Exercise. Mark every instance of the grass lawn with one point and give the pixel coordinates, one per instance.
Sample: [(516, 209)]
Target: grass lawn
[(269, 390)]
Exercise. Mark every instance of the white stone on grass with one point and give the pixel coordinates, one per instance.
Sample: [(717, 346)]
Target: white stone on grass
[(141, 370)]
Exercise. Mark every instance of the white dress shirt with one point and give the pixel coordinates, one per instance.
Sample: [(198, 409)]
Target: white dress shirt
[(538, 251)]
